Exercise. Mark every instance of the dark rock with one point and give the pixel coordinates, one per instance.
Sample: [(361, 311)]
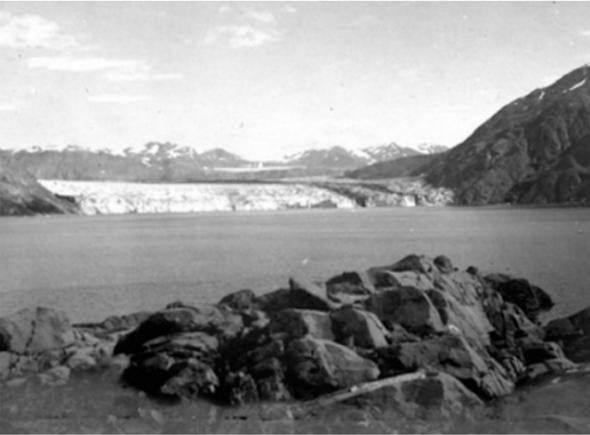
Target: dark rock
[(574, 334), (296, 323), (254, 319), (529, 298), (444, 264), (241, 389), (35, 330), (291, 298), (349, 288), (548, 367), (316, 367), (178, 364), (416, 263), (387, 279), (272, 388), (453, 355), (240, 300), (125, 322), (511, 326), (359, 328), (539, 351), (192, 380), (176, 320), (408, 306)]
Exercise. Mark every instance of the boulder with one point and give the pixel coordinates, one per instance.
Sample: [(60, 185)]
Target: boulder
[(408, 306), (349, 288), (451, 354), (467, 318), (178, 364), (82, 359), (240, 388), (444, 264), (35, 330), (294, 297), (240, 300), (383, 278), (316, 367), (125, 322), (511, 326), (416, 263), (573, 332), (296, 323), (358, 327), (417, 395), (194, 379), (208, 319), (548, 367), (529, 298), (538, 351)]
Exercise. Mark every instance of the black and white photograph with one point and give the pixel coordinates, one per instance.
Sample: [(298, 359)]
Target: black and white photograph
[(294, 217)]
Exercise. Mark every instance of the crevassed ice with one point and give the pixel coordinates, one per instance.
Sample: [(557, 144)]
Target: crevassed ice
[(120, 198)]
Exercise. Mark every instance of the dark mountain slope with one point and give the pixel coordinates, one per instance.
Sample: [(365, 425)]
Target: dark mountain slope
[(534, 150), (20, 194), (401, 167)]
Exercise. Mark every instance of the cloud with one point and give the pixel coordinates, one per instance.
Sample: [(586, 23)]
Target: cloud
[(585, 32), (224, 9), (33, 31), (261, 16), (244, 28), (118, 98), (242, 36), (290, 9), (141, 76), (117, 70), (83, 64), (7, 107)]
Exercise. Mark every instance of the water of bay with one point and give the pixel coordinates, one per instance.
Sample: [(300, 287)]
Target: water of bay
[(93, 267)]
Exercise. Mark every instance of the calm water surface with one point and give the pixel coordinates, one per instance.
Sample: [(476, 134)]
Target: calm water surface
[(93, 267)]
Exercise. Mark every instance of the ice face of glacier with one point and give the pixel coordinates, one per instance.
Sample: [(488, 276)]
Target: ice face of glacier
[(121, 198)]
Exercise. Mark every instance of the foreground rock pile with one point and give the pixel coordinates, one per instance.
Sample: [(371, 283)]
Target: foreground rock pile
[(418, 335)]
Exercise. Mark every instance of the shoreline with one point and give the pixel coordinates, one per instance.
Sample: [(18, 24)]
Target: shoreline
[(365, 328)]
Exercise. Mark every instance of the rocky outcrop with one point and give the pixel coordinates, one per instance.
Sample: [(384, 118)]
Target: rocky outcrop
[(421, 337), (573, 333), (41, 343), (21, 194)]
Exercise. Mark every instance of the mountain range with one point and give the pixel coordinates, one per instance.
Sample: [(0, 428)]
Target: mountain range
[(162, 162), (534, 150)]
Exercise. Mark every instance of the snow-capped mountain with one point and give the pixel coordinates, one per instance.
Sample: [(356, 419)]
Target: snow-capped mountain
[(430, 148), (342, 158), (166, 161), (154, 161)]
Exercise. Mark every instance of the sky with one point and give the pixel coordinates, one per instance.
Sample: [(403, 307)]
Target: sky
[(268, 79)]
